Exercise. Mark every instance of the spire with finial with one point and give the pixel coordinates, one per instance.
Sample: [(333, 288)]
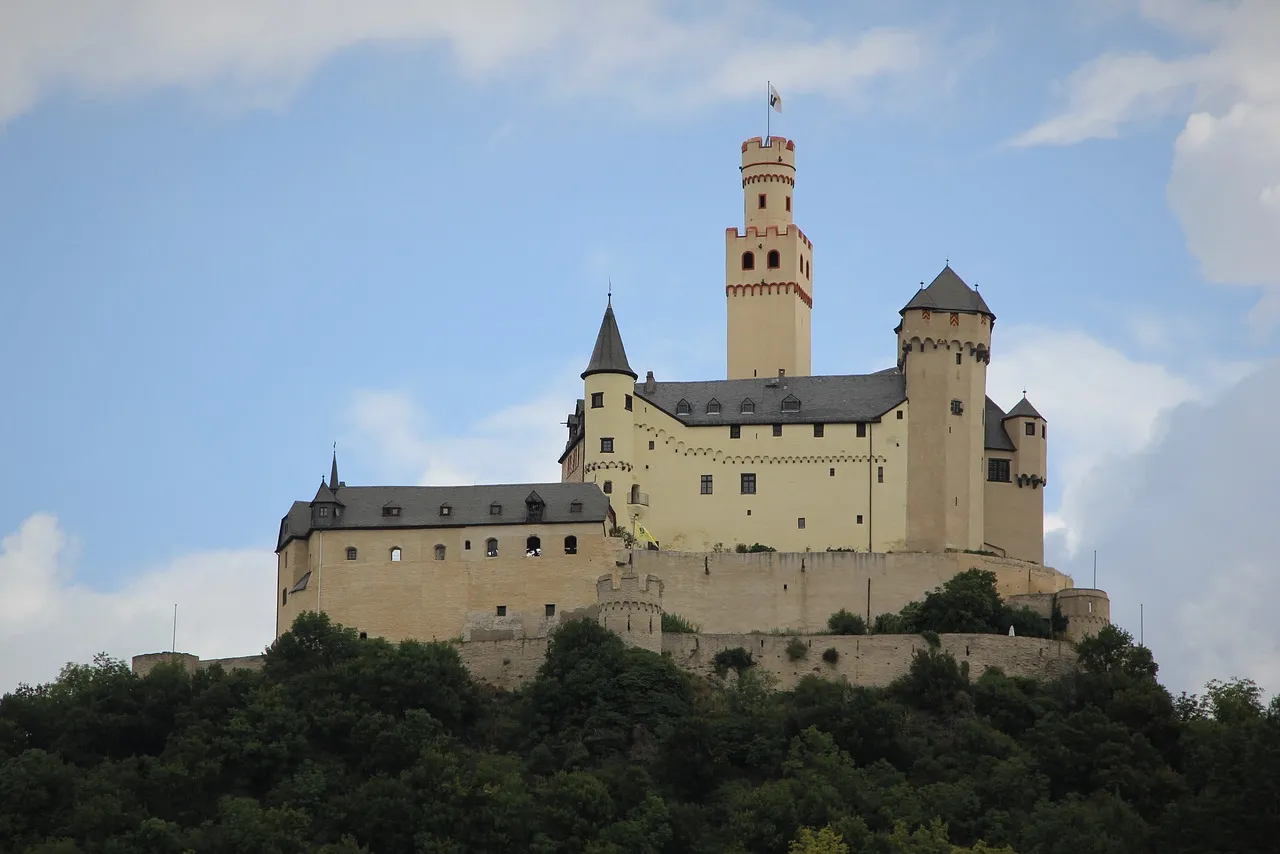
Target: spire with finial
[(609, 356), (333, 469)]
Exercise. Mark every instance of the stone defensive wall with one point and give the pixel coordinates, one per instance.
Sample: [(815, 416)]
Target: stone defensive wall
[(144, 664), (727, 592)]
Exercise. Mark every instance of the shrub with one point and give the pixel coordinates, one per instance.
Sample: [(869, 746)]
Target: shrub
[(831, 655), (844, 622), (676, 624), (628, 539), (931, 638), (743, 548), (737, 659), (797, 649)]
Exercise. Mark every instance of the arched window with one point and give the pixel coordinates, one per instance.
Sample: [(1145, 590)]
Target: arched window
[(571, 545), (774, 259), (683, 408), (533, 547), (351, 552), (439, 552), (395, 554), (608, 487), (491, 547), (748, 260)]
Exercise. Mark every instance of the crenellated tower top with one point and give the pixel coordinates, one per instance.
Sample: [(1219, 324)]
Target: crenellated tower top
[(768, 179)]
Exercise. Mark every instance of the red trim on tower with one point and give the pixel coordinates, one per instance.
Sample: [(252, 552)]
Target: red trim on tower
[(767, 289)]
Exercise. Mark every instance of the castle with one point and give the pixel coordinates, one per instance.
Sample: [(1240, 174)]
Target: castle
[(912, 458), (873, 489)]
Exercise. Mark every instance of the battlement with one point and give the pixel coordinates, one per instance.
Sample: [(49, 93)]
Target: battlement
[(752, 232), (632, 608), (629, 586), (777, 146)]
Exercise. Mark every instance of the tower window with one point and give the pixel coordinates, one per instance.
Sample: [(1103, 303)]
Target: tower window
[(395, 554), (957, 407), (788, 204), (651, 444), (777, 429), (501, 611), (571, 545), (735, 431), (1031, 428), (1043, 430), (551, 610), (959, 358), (351, 552), (862, 430), (859, 518), (899, 414), (491, 550), (748, 260), (713, 407), (683, 408), (774, 260), (760, 199), (607, 488), (748, 407), (466, 544), (284, 596), (440, 550), (879, 474), (800, 523), (597, 399), (606, 446), (748, 484), (998, 471), (706, 484), (831, 472), (628, 402), (819, 430)]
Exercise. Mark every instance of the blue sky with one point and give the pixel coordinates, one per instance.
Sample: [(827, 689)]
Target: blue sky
[(226, 243)]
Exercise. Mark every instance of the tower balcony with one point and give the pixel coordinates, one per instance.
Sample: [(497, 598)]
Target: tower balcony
[(638, 497)]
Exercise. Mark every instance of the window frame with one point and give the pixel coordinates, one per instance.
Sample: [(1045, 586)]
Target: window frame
[(748, 260), (491, 547), (747, 483), (706, 484), (999, 470), (352, 553), (735, 431), (606, 444), (773, 261), (597, 400)]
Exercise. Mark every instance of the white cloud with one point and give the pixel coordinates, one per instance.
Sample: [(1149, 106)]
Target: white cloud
[(649, 53), (47, 618), (1227, 157), (516, 444)]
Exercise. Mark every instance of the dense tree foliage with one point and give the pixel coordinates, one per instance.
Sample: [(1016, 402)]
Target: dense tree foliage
[(967, 603), (342, 745)]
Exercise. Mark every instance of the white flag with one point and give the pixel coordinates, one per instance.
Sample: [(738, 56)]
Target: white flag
[(775, 100)]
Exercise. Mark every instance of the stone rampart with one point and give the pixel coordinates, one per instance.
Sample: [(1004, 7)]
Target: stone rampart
[(144, 664)]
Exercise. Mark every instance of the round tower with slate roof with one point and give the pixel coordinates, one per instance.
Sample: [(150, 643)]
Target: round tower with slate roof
[(944, 347), (768, 270), (608, 419)]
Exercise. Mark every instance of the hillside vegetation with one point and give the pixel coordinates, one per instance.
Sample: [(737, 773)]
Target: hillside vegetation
[(344, 745)]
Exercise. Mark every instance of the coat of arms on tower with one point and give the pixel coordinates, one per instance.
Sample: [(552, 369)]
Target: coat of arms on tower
[(955, 318)]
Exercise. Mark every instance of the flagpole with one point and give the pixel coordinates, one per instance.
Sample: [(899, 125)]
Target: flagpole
[(768, 110)]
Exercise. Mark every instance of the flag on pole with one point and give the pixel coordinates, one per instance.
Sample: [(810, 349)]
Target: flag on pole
[(775, 100), (643, 535)]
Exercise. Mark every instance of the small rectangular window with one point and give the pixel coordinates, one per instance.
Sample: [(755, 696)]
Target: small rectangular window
[(788, 203), (606, 446), (800, 522), (899, 414), (495, 509), (1031, 428), (859, 518), (706, 484), (998, 471), (957, 407), (628, 403), (324, 511), (551, 610), (831, 472), (862, 430), (651, 445), (390, 511), (735, 431), (575, 507), (466, 544), (958, 359), (502, 611), (879, 474), (597, 399), (748, 484), (1043, 430), (819, 430), (777, 429), (760, 201)]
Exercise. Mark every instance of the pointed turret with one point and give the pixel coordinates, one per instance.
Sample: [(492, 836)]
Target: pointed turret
[(609, 356), (1024, 409), (948, 292), (333, 471)]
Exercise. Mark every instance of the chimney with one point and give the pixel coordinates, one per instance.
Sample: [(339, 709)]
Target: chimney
[(782, 377), (650, 384)]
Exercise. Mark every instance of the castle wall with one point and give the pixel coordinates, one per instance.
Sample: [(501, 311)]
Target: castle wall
[(829, 481), (1014, 515), (723, 593), (144, 664), (421, 597)]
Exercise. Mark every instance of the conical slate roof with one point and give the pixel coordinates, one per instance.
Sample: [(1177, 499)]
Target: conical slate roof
[(948, 292), (609, 356), (333, 472), (324, 495), (1024, 409)]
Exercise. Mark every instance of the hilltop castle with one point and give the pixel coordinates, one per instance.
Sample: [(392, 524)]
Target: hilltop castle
[(873, 489), (912, 458)]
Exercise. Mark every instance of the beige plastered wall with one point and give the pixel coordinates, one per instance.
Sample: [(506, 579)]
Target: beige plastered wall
[(428, 599), (724, 593), (794, 480)]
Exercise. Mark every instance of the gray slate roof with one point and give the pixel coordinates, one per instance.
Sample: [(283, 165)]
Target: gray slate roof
[(997, 438), (948, 292), (609, 356), (1024, 409), (469, 505), (838, 399)]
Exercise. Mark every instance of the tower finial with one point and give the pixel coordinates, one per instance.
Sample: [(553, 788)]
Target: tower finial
[(610, 299), (333, 470)]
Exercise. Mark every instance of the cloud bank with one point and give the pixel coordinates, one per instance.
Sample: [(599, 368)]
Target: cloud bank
[(648, 53)]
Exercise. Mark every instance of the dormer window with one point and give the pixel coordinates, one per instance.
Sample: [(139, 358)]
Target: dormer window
[(683, 408), (495, 509), (390, 510), (791, 403), (322, 511), (575, 507), (713, 407), (748, 407), (446, 510)]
